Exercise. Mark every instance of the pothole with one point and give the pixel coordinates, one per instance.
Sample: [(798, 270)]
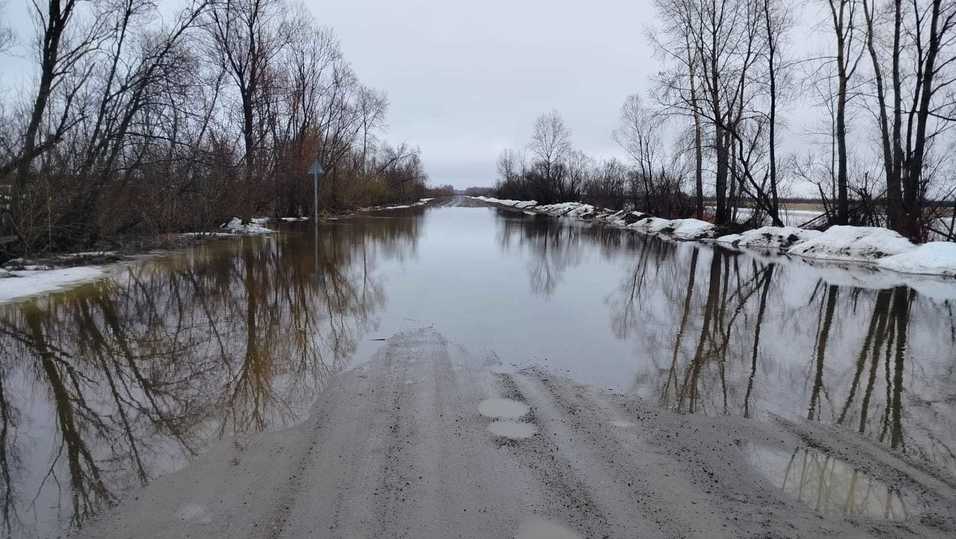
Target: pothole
[(512, 429), (503, 408)]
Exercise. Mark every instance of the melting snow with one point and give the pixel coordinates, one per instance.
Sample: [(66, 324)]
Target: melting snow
[(769, 237), (21, 284), (853, 243), (934, 258), (254, 226), (887, 249)]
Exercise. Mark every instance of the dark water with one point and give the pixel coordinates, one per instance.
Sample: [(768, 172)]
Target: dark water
[(114, 383)]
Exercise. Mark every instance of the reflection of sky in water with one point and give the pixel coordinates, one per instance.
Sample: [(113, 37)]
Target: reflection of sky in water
[(119, 382), (829, 485)]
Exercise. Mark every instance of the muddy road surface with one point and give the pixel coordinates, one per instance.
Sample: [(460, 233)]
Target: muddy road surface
[(427, 440)]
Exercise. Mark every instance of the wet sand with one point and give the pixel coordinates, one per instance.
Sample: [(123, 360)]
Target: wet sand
[(427, 440)]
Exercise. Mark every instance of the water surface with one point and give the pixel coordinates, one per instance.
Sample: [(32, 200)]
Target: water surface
[(111, 384)]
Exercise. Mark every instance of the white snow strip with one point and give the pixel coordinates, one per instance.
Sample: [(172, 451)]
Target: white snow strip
[(520, 204), (23, 284), (853, 243), (692, 229), (652, 225), (421, 202), (769, 237), (253, 227), (934, 258), (878, 246)]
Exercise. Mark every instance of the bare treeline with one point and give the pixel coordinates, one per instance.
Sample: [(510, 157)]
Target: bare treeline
[(138, 121), (881, 79), (553, 170)]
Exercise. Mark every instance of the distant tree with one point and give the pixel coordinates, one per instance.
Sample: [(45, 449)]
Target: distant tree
[(6, 33), (550, 144), (640, 135), (509, 165)]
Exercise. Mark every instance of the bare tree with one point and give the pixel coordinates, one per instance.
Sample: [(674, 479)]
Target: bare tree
[(776, 21), (915, 41), (848, 52), (62, 50), (550, 143), (509, 165), (640, 135), (247, 36), (7, 36), (716, 45)]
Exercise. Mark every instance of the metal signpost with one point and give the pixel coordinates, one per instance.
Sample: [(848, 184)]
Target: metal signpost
[(316, 171)]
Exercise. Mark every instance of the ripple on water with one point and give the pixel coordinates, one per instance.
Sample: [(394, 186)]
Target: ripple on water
[(503, 408), (512, 429), (830, 485)]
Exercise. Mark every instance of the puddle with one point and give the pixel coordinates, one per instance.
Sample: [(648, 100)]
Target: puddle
[(512, 429), (503, 408), (538, 528), (194, 513), (831, 486)]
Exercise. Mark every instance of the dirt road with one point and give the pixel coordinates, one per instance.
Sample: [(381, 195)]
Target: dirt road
[(428, 441)]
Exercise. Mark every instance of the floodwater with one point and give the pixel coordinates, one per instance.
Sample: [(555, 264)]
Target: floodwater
[(109, 385)]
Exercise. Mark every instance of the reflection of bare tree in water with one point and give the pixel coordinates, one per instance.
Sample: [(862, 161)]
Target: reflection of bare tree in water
[(823, 336), (885, 341), (226, 339), (653, 258), (701, 329), (724, 309), (830, 485), (552, 246)]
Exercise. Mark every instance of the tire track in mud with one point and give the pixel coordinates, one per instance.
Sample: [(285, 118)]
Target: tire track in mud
[(702, 493), (640, 483), (544, 457), (291, 491), (391, 489)]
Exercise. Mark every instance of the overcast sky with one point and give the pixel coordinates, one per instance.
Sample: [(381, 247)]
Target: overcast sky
[(467, 79)]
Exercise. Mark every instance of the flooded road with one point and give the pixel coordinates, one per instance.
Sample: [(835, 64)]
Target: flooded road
[(114, 384)]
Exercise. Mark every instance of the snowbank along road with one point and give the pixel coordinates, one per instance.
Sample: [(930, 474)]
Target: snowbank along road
[(428, 441)]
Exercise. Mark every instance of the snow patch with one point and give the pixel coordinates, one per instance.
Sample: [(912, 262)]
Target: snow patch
[(879, 246), (253, 227), (934, 258), (853, 243), (420, 202), (692, 229), (22, 284), (769, 237)]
